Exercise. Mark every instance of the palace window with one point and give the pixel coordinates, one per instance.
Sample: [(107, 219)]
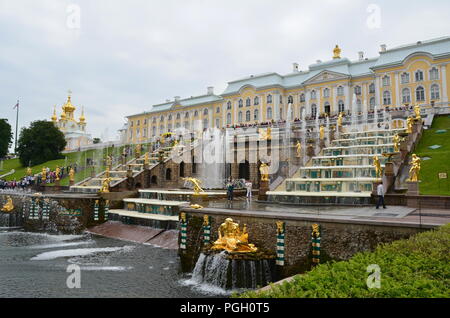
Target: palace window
[(386, 80), (434, 74), (178, 116), (269, 99), (248, 102), (186, 115), (313, 110), (256, 101), (372, 103), (290, 100), (358, 90), (406, 96), (170, 117), (256, 115), (217, 110), (241, 103), (405, 78), (186, 125), (372, 88), (420, 93), (313, 94), (153, 131), (196, 113), (228, 119), (138, 122), (327, 108), (386, 98), (240, 117), (302, 98), (358, 106), (434, 91), (419, 76), (341, 106), (145, 122), (340, 91), (269, 112), (217, 123), (177, 125), (247, 115), (162, 118), (154, 120), (205, 123), (228, 105), (326, 92), (205, 111)]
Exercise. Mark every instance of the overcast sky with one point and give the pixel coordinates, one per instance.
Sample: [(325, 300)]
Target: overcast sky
[(120, 57)]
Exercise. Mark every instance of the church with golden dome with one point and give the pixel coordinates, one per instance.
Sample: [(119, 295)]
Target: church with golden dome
[(74, 131)]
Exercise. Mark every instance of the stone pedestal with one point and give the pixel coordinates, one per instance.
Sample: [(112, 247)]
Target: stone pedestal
[(413, 188), (389, 169), (263, 188), (200, 199), (57, 183), (310, 150), (322, 143), (71, 182)]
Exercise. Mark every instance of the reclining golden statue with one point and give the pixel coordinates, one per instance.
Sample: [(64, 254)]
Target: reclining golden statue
[(232, 240), (9, 206)]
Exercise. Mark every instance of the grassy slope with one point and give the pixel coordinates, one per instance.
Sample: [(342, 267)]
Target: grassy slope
[(416, 267), (440, 158), (75, 157)]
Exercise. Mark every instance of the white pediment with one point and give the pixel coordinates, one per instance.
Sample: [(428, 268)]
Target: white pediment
[(326, 76)]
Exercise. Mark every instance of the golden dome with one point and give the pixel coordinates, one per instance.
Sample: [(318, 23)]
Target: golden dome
[(63, 115), (54, 117), (82, 118), (68, 107)]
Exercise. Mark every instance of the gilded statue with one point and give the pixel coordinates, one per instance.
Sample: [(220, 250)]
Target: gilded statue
[(57, 173), (107, 173), (183, 217), (340, 119), (196, 206), (396, 140), (196, 183), (29, 171), (44, 173), (265, 134), (315, 230), (72, 175), (415, 168), (138, 149), (337, 52), (264, 171), (280, 227), (105, 185), (108, 161), (232, 239), (205, 220), (417, 112), (409, 124), (377, 165), (322, 132), (9, 206), (299, 149), (146, 159)]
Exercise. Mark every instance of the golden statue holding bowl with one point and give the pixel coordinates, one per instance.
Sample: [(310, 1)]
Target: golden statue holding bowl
[(232, 239)]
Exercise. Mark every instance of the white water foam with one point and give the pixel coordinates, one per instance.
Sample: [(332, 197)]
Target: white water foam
[(45, 246), (107, 268), (73, 252)]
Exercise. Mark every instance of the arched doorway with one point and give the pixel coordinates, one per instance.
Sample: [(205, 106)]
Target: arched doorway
[(169, 174), (244, 170), (154, 180), (182, 169)]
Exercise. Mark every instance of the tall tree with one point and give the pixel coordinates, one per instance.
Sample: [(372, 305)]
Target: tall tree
[(39, 143), (5, 137)]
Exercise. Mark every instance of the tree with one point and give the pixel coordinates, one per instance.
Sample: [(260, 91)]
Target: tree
[(97, 141), (5, 137), (42, 142)]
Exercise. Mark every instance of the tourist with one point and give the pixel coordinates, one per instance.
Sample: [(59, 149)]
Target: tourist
[(380, 192), (230, 188), (248, 186)]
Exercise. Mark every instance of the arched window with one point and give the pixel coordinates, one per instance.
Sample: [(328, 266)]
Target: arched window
[(228, 105), (217, 110), (302, 98), (386, 80), (240, 117), (290, 100), (162, 118), (228, 119), (256, 101), (419, 76), (217, 123), (406, 95), (256, 115), (434, 91), (327, 108), (357, 90), (313, 110), (269, 99), (420, 94), (154, 120), (434, 74), (405, 78), (182, 169), (326, 92), (205, 111), (247, 115), (281, 113), (170, 117), (178, 116), (196, 113), (340, 91), (248, 102), (386, 98), (153, 131), (313, 94), (281, 99), (341, 106), (372, 88), (186, 115), (168, 174), (269, 112), (241, 103), (358, 106), (205, 123), (372, 103)]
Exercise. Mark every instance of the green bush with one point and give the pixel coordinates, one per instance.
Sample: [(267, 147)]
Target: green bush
[(416, 267)]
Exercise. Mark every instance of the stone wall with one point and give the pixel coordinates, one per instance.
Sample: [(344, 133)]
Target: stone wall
[(339, 240)]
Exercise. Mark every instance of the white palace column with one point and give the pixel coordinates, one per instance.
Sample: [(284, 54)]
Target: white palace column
[(307, 105), (319, 103), (235, 111), (276, 105), (377, 91), (398, 100), (444, 84), (348, 99), (261, 101)]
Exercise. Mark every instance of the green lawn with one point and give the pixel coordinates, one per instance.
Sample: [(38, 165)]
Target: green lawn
[(440, 158), (75, 157), (412, 268)]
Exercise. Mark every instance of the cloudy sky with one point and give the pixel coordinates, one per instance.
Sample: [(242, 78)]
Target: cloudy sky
[(120, 57)]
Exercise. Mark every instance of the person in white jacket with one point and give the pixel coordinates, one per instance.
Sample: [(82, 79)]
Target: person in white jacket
[(248, 186), (380, 192)]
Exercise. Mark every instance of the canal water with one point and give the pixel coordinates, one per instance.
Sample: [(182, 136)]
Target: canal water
[(35, 265)]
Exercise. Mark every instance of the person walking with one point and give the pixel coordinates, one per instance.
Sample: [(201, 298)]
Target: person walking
[(248, 186), (380, 192), (230, 188)]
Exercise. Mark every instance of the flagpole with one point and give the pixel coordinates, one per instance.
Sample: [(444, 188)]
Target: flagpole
[(17, 122)]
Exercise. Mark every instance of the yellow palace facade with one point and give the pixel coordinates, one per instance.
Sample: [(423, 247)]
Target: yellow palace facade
[(410, 74)]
